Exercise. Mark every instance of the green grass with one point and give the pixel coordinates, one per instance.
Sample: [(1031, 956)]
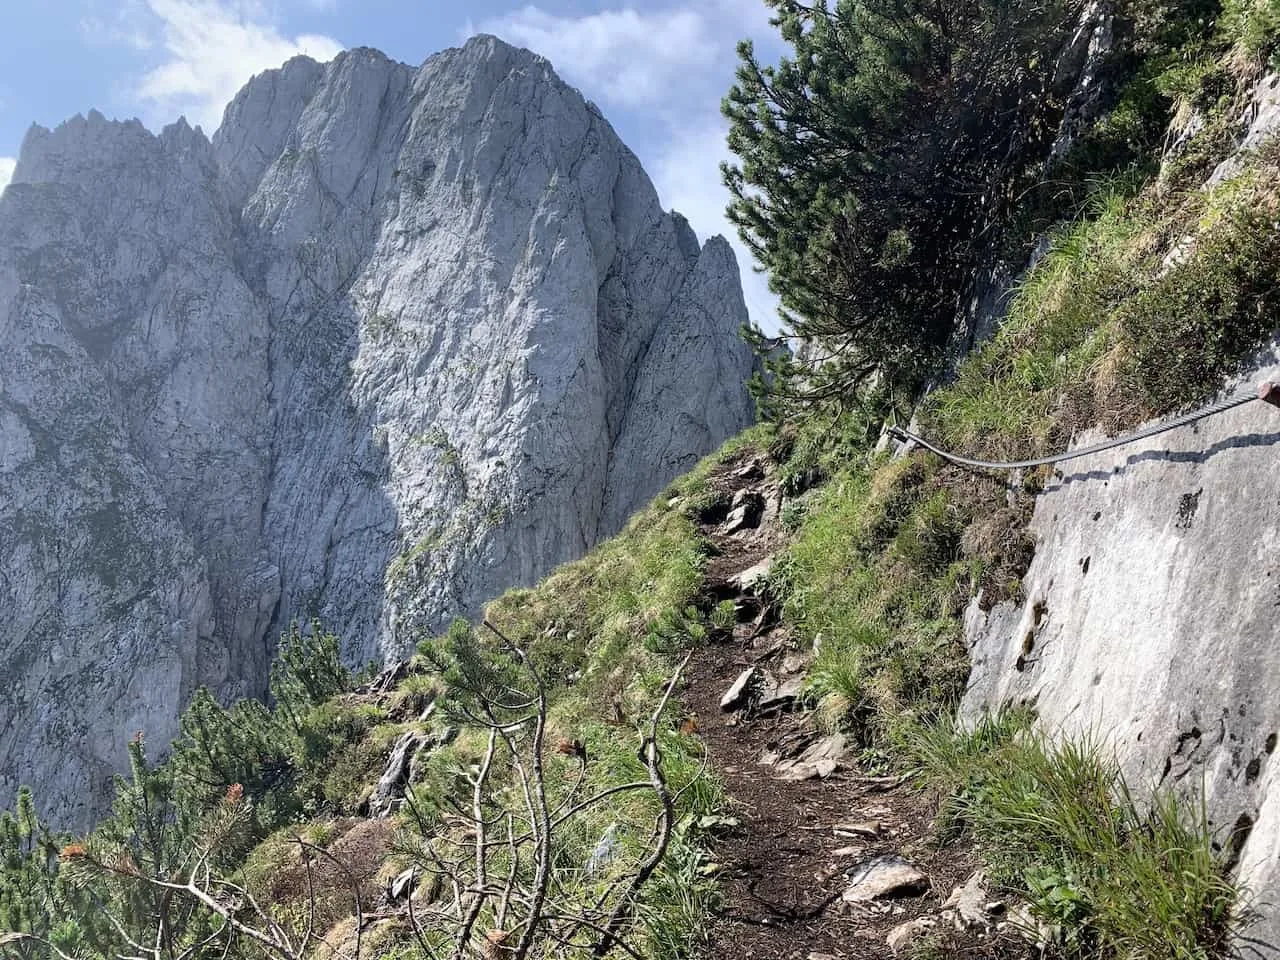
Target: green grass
[(1196, 324), (608, 628), (605, 632), (1006, 399), (1142, 308), (1253, 29), (1057, 827), (883, 561), (677, 899), (611, 620)]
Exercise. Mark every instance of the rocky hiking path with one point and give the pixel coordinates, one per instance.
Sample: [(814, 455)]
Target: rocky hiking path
[(825, 861)]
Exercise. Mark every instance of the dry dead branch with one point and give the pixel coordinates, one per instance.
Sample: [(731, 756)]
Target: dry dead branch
[(519, 908)]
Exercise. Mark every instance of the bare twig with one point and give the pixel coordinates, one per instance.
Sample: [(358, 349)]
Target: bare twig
[(478, 898), (526, 908), (351, 880), (651, 756)]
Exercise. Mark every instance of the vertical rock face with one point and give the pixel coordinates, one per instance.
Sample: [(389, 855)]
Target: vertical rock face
[(394, 340), (1150, 624)]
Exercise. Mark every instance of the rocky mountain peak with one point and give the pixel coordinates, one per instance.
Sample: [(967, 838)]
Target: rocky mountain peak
[(393, 340)]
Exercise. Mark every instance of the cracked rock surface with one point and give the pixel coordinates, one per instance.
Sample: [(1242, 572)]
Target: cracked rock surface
[(393, 340), (1149, 624)]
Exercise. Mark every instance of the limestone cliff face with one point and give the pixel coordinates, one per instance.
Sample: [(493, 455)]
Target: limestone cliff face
[(1150, 624), (393, 340)]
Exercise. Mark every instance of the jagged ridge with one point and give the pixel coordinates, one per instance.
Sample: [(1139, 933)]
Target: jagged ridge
[(393, 340)]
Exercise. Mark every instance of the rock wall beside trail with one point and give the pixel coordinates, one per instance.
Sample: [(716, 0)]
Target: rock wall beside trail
[(395, 339), (1150, 623)]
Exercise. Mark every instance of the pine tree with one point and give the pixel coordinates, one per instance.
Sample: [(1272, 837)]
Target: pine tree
[(31, 898), (875, 163), (232, 776), (264, 750), (307, 671), (245, 744), (132, 866)]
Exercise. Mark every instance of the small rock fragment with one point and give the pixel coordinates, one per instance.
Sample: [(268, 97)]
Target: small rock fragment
[(781, 695), (966, 908), (750, 579), (904, 934), (1025, 923), (818, 769), (820, 760), (605, 852), (736, 696), (869, 829), (834, 746), (795, 663), (747, 508), (389, 792), (886, 877), (403, 885)]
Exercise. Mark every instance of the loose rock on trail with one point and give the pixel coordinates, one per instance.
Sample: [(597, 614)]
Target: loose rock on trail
[(827, 861)]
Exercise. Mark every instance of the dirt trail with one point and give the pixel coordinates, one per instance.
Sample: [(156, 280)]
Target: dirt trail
[(800, 844)]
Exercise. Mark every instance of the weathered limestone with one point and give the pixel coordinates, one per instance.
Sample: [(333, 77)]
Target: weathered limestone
[(1150, 623), (394, 340), (1257, 125)]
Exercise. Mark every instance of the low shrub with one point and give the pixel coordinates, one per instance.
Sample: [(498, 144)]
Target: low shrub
[(1057, 826)]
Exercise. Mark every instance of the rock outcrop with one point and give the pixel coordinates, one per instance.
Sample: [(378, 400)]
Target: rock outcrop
[(1149, 620), (1149, 624), (393, 340)]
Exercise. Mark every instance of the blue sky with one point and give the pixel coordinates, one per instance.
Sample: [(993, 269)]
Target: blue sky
[(657, 68)]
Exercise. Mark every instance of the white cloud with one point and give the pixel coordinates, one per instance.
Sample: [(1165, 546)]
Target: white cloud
[(124, 24), (7, 166), (213, 47), (619, 56)]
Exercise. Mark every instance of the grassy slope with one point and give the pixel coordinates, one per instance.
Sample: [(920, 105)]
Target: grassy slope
[(605, 631)]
